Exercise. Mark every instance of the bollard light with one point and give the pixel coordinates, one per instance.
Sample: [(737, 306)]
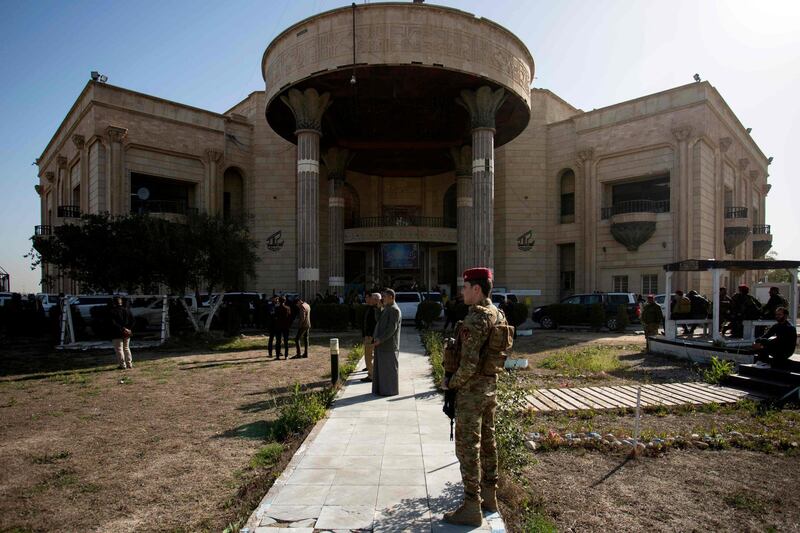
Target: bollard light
[(334, 361)]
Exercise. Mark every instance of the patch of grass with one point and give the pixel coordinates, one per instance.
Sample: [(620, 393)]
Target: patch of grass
[(593, 359), (267, 456), (71, 378), (10, 403), (353, 357), (745, 502), (718, 372), (237, 344), (535, 521), (48, 459)]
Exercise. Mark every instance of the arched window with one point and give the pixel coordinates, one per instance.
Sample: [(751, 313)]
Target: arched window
[(352, 205), (450, 207), (232, 193), (567, 188)]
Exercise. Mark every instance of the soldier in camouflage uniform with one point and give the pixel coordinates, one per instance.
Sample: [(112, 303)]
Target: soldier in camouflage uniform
[(475, 403)]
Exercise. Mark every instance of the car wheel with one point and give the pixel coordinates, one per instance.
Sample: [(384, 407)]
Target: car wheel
[(611, 324), (547, 323)]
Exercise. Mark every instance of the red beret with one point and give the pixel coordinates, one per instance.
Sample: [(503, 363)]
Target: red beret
[(476, 274), (651, 296), (745, 287)]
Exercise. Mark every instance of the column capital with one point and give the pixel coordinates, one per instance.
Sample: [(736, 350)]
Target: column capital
[(587, 154), (116, 134), (61, 161), (462, 158), (79, 141), (336, 160), (682, 133), (307, 107), (743, 164), (725, 143), (754, 175), (213, 156), (50, 176), (482, 105)]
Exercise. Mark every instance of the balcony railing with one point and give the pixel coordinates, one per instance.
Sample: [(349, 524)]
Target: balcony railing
[(42, 231), (761, 230), (735, 212), (635, 206), (176, 207), (69, 211), (401, 221)]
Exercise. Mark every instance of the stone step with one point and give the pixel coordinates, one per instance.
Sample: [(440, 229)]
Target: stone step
[(759, 385), (772, 374)]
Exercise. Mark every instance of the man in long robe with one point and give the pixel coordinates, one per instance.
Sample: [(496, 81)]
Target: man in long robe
[(386, 343)]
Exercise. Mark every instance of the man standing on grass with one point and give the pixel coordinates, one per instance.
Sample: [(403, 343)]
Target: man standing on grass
[(367, 329), (121, 332), (386, 343), (283, 321), (303, 328)]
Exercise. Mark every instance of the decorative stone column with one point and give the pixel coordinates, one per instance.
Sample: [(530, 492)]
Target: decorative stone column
[(682, 212), (462, 157), (80, 144), (482, 106), (213, 187), (307, 107), (590, 220), (336, 161), (63, 197), (118, 195)]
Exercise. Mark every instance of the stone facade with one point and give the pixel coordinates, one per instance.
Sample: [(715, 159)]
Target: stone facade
[(548, 188)]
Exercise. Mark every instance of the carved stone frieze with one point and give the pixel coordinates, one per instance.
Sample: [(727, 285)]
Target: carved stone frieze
[(725, 143), (79, 141), (682, 133)]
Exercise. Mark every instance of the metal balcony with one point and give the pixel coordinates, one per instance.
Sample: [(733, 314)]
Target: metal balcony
[(401, 221), (42, 231), (762, 229), (735, 212), (69, 211), (762, 240), (635, 206)]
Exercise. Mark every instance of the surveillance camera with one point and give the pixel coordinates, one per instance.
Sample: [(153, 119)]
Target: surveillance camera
[(103, 78), (696, 77), (95, 75)]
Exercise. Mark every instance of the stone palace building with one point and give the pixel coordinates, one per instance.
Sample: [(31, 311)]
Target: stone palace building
[(403, 141)]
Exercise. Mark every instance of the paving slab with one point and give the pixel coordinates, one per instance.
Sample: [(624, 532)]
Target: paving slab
[(383, 464)]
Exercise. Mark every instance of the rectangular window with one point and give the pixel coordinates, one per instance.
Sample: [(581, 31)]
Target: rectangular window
[(566, 257), (654, 190), (568, 207), (620, 284), (649, 283)]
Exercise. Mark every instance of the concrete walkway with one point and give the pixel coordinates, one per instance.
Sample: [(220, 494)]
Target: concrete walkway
[(375, 464)]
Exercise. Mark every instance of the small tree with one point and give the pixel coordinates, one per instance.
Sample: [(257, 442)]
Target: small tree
[(427, 312)]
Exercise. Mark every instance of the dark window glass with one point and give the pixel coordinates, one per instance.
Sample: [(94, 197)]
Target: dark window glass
[(656, 190), (567, 204)]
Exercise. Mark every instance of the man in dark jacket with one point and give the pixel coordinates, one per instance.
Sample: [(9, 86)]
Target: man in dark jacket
[(270, 316), (778, 343), (368, 328), (283, 321), (121, 325), (775, 301), (743, 307)]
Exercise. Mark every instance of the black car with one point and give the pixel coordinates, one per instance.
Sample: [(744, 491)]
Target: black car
[(574, 310)]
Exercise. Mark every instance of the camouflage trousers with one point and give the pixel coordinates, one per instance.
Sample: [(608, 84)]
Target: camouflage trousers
[(476, 449), (651, 330)]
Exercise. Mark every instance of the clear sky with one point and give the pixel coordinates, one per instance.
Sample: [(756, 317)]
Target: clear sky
[(592, 53)]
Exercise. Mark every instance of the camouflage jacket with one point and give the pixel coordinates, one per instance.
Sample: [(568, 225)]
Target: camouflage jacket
[(473, 335)]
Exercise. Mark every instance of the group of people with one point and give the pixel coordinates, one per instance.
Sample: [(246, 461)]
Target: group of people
[(279, 321), (381, 332), (733, 311)]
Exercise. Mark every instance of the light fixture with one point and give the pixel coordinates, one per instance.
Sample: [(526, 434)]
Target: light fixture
[(353, 79)]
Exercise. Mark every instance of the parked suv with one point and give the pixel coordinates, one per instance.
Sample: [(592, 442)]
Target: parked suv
[(610, 301), (408, 303)]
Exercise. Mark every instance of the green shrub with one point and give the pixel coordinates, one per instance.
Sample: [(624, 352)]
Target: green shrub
[(330, 316), (517, 314), (588, 360), (509, 431), (434, 345), (427, 312), (301, 411), (719, 371), (597, 316), (622, 318), (355, 355)]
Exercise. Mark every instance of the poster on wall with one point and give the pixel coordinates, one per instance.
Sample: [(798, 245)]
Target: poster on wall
[(400, 256)]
